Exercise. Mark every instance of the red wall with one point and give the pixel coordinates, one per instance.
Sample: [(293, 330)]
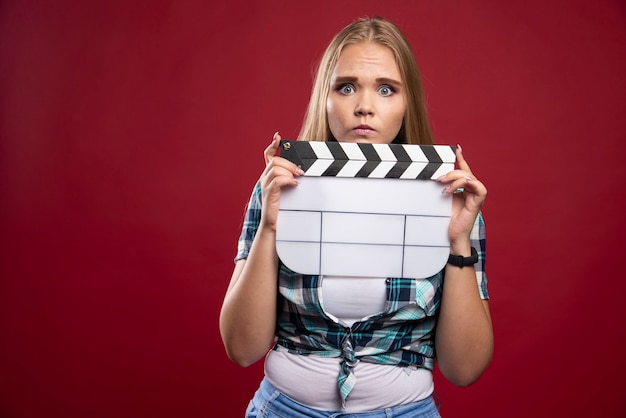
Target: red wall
[(131, 134)]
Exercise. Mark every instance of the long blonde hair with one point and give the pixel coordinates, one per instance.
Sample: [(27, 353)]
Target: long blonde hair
[(415, 128)]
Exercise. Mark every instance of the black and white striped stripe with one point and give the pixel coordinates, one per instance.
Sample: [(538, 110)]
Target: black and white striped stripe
[(346, 159)]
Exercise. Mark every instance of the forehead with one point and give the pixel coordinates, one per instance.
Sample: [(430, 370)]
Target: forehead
[(367, 59)]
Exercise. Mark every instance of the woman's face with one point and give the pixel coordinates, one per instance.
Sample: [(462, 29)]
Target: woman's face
[(366, 102)]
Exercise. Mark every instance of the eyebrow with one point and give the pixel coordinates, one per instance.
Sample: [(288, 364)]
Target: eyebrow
[(380, 80)]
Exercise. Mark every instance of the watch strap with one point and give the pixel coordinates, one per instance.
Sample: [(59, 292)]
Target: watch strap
[(460, 261)]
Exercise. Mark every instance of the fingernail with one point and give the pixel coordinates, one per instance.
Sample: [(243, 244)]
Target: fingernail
[(445, 190), (468, 178), (459, 147), (299, 171), (441, 177), (275, 135)]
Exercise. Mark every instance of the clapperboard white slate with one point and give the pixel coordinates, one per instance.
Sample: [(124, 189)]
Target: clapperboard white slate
[(369, 210)]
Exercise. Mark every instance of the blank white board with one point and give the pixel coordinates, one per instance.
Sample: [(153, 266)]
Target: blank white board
[(365, 210)]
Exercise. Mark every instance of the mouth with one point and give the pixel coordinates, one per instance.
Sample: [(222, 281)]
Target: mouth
[(363, 129)]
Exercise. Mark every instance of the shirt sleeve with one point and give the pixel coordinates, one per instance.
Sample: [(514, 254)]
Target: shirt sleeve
[(477, 240), (251, 222)]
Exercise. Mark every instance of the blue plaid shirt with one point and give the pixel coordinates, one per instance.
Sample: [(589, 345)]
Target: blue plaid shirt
[(401, 335)]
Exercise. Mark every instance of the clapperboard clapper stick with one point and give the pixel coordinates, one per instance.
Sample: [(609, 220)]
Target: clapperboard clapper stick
[(368, 210)]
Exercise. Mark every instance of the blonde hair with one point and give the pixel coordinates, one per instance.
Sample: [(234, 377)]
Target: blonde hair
[(415, 128)]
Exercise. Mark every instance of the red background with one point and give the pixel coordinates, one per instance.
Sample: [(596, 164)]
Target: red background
[(131, 135)]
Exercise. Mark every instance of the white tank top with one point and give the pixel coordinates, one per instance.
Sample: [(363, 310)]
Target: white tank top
[(312, 380)]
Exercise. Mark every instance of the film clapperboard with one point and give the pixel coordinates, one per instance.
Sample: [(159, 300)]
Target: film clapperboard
[(369, 210)]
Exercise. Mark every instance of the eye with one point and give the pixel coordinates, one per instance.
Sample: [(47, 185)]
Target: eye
[(346, 89), (386, 90)]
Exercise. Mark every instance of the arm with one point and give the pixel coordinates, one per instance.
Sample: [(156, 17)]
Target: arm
[(464, 337), (248, 315)]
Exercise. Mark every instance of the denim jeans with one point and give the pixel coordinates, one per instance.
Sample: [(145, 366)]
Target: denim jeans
[(270, 403)]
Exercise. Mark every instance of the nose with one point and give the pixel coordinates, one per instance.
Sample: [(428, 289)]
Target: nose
[(364, 106)]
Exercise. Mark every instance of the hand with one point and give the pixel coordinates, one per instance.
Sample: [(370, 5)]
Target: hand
[(278, 173), (466, 204)]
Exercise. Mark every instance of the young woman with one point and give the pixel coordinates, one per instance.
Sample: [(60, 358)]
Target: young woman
[(358, 345)]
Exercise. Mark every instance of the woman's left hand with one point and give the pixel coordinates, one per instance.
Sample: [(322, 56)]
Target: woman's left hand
[(466, 204)]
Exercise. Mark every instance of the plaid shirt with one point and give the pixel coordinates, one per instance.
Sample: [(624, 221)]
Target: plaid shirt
[(401, 335)]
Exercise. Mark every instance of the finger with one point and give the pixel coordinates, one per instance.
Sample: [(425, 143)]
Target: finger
[(272, 185), (466, 183), (453, 175), (277, 183), (282, 163), (275, 170), (271, 150), (476, 187), (460, 160), (455, 185), (275, 174)]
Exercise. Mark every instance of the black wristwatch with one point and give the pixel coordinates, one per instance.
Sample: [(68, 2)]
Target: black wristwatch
[(460, 261)]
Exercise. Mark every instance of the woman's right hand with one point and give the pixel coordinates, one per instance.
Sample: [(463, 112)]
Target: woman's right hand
[(278, 173)]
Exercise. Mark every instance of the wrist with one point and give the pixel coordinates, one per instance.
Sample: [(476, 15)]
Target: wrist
[(463, 261), (267, 230), (461, 247), (265, 238)]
